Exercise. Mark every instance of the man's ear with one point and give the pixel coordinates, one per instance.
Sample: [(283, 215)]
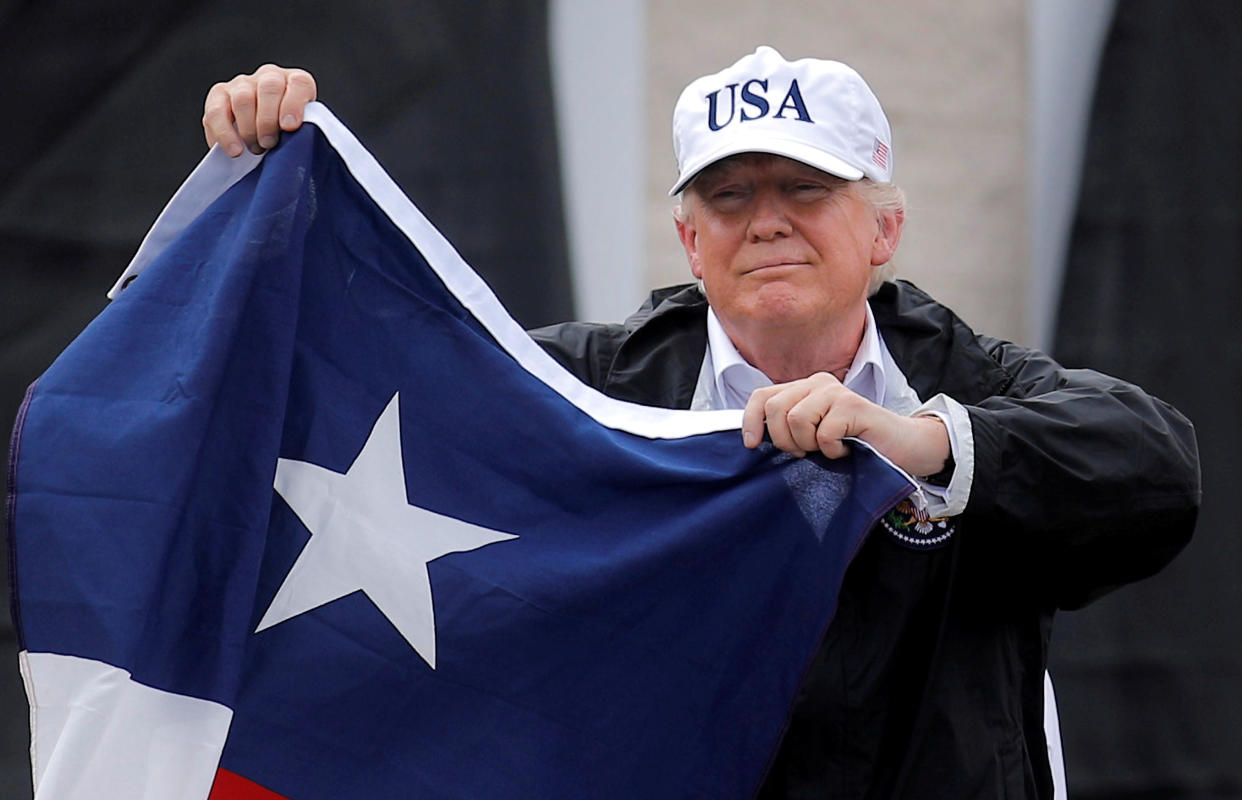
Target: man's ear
[(887, 235), (684, 221)]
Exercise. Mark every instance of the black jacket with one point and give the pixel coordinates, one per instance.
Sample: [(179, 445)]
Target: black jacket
[(929, 681)]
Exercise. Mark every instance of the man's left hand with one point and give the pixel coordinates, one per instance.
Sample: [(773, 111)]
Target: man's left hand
[(816, 413)]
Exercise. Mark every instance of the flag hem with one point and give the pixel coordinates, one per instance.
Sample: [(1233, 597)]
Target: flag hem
[(15, 441)]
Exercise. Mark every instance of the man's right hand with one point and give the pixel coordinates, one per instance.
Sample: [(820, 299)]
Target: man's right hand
[(818, 412), (250, 111)]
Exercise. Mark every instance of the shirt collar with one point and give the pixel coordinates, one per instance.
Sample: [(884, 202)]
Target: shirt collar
[(865, 376), (735, 378)]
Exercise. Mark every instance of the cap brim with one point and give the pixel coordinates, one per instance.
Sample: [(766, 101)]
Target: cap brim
[(766, 143)]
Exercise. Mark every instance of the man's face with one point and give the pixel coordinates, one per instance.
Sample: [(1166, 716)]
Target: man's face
[(780, 243)]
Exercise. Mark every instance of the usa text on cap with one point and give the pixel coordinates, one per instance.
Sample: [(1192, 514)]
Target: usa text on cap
[(821, 113)]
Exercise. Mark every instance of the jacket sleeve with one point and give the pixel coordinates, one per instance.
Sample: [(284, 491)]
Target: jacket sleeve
[(1097, 480)]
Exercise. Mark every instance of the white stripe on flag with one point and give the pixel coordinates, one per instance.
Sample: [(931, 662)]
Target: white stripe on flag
[(96, 733)]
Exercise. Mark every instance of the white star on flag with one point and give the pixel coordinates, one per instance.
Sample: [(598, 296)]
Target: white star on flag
[(365, 535)]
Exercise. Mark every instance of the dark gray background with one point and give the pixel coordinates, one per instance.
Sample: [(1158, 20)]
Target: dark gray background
[(1150, 678)]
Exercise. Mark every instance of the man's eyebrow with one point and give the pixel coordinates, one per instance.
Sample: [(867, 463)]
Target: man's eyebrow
[(716, 173), (707, 184)]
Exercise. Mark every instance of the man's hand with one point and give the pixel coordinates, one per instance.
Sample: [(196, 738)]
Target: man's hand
[(816, 413), (251, 110)]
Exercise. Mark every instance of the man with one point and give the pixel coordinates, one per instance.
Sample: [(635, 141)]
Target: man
[(1040, 487)]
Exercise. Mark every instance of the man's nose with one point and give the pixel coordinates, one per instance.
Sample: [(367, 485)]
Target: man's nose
[(769, 220)]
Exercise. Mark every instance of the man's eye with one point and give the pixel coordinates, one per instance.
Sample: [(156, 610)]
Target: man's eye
[(728, 196)]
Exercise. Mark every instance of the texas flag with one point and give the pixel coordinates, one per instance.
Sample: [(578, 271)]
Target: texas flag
[(304, 514)]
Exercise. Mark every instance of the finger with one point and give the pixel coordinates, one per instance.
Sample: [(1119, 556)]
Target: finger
[(269, 93), (804, 417), (300, 89), (243, 101), (776, 417), (218, 121), (832, 429), (752, 418)]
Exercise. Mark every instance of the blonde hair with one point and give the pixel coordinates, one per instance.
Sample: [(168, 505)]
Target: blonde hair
[(883, 197)]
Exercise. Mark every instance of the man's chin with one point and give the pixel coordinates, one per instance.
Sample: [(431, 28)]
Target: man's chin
[(779, 305)]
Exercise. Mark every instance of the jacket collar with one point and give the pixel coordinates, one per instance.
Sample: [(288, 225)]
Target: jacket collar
[(935, 350), (663, 350)]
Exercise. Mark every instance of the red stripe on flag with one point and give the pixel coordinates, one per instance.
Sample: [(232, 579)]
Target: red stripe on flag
[(231, 786)]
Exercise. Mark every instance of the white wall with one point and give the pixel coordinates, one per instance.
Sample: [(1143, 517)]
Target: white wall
[(598, 71)]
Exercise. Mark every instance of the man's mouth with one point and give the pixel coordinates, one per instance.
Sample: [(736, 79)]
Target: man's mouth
[(773, 263)]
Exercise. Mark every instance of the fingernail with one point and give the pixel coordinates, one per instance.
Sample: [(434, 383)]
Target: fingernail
[(234, 150), (289, 122), (267, 142), (750, 439)]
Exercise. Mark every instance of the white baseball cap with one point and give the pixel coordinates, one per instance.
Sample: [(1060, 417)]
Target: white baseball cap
[(821, 113)]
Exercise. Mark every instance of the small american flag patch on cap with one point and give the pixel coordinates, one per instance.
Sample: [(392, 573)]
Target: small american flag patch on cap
[(880, 154)]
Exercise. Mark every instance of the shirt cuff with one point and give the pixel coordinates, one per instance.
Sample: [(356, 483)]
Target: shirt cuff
[(949, 501)]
